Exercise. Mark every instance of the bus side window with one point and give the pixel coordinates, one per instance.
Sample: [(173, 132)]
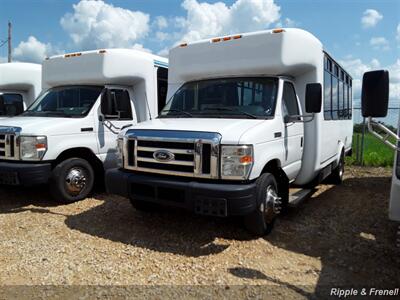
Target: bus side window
[(12, 105), (162, 86), (289, 100)]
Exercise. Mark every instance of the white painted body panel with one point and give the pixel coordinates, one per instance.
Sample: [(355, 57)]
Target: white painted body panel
[(296, 54), (21, 78), (394, 205), (132, 70)]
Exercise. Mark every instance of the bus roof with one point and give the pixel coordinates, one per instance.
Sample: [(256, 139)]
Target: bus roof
[(288, 51), (99, 67), (20, 76)]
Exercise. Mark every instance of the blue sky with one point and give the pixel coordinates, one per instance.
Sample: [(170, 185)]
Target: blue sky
[(360, 34)]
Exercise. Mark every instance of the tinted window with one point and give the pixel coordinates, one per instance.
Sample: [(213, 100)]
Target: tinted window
[(162, 87), (335, 102), (290, 105), (327, 96), (232, 97), (11, 105), (121, 98), (73, 101)]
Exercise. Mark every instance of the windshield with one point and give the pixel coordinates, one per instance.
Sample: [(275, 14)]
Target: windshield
[(229, 97), (71, 101)]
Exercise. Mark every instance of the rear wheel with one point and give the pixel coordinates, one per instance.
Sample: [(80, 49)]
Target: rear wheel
[(72, 180), (269, 205), (338, 173)]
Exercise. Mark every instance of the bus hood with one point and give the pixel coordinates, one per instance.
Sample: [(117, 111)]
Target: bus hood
[(231, 130), (45, 125)]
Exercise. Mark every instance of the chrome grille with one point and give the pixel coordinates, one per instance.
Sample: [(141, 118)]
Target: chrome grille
[(182, 153), (8, 142)]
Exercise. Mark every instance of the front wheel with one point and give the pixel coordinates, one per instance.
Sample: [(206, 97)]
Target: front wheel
[(337, 175), (72, 180), (260, 222)]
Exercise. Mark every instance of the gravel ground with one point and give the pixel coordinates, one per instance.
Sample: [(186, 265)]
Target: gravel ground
[(339, 237)]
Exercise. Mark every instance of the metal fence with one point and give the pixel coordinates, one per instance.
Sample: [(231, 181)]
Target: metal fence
[(363, 146)]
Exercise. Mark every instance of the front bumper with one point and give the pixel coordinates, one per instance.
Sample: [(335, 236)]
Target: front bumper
[(25, 174), (216, 199)]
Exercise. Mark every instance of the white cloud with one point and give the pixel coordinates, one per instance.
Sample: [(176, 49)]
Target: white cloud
[(3, 59), (356, 68), (398, 33), (96, 24), (32, 50), (370, 18), (379, 43), (161, 22), (205, 20)]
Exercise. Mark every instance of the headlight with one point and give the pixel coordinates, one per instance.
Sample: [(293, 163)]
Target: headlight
[(237, 162), (32, 147), (120, 152)]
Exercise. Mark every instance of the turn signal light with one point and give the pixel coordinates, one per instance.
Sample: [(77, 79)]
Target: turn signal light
[(40, 146), (246, 159)]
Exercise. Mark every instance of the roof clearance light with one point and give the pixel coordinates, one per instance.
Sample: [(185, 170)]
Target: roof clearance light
[(227, 38), (102, 51), (236, 37), (216, 40), (67, 55), (183, 45), (278, 30)]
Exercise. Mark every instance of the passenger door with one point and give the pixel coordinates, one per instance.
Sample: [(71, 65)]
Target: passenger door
[(118, 116), (294, 131)]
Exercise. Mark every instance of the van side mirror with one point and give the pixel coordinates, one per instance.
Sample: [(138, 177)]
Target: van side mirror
[(124, 102), (375, 94), (313, 97), (105, 103)]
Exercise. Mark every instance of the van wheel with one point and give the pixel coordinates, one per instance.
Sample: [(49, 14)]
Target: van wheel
[(72, 180), (338, 173), (260, 222)]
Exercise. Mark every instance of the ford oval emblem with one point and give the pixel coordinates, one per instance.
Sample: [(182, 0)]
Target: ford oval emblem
[(163, 155)]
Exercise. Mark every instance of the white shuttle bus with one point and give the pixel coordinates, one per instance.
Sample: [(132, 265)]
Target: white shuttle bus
[(20, 84), (67, 136), (375, 100), (243, 123)]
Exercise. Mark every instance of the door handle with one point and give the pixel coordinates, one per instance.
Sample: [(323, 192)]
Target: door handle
[(301, 142)]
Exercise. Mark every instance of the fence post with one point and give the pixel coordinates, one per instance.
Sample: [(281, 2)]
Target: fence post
[(362, 143), (357, 149)]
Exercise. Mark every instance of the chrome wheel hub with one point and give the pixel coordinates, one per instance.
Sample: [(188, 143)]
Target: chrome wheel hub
[(272, 205), (75, 181)]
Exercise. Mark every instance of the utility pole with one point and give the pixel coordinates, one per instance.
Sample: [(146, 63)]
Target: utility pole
[(9, 42)]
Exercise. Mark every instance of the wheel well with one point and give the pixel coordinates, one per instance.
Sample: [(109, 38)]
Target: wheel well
[(274, 167), (87, 155)]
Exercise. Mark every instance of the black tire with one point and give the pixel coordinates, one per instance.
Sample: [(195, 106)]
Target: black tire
[(143, 205), (338, 173), (72, 180), (261, 221)]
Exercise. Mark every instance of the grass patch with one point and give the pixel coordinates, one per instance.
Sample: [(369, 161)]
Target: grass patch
[(376, 153)]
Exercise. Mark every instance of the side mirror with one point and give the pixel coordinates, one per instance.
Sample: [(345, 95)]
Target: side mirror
[(105, 103), (124, 102), (313, 97), (375, 94)]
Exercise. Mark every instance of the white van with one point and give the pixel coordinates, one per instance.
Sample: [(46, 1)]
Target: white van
[(20, 84), (242, 124), (67, 136), (375, 100)]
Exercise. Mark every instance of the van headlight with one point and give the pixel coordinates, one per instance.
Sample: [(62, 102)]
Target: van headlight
[(120, 152), (236, 161), (32, 147)]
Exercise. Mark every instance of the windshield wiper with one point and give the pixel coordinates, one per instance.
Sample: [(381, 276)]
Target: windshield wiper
[(177, 110), (231, 109)]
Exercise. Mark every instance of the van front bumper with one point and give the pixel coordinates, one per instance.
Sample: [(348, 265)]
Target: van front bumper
[(25, 174), (205, 198)]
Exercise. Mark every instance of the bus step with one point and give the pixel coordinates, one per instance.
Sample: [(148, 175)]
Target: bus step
[(297, 196)]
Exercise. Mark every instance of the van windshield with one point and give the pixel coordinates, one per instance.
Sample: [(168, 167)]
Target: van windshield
[(65, 102), (253, 98)]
